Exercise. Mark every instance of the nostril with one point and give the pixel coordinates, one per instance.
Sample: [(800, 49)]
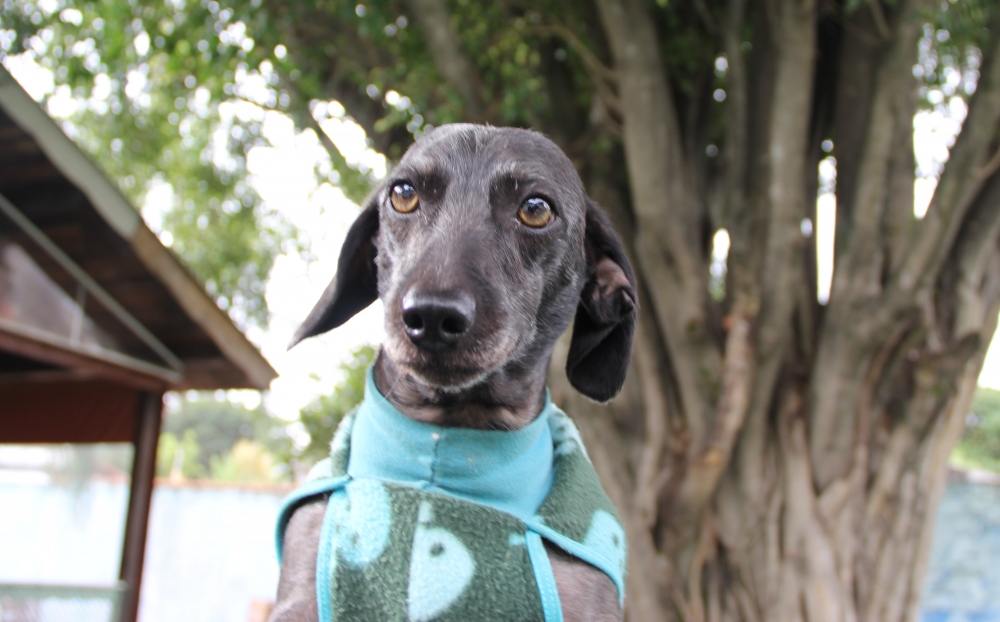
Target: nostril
[(454, 326), (413, 321)]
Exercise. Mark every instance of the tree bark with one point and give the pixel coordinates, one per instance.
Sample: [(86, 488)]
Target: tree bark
[(841, 431)]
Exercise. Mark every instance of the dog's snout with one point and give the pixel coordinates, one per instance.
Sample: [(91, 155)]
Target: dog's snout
[(437, 321)]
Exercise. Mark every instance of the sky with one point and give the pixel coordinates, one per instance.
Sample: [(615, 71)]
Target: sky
[(283, 176)]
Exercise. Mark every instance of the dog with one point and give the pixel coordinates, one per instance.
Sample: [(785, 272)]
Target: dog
[(483, 246)]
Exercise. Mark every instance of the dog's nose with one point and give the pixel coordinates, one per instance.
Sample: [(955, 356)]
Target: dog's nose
[(437, 321)]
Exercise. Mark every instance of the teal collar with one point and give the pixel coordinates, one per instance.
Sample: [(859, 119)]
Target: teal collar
[(509, 471)]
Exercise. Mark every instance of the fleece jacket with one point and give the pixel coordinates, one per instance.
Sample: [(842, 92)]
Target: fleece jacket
[(432, 523)]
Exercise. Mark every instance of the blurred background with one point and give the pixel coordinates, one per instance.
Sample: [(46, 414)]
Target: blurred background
[(215, 120)]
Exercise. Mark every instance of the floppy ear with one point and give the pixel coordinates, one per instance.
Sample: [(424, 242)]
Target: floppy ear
[(601, 346), (355, 285)]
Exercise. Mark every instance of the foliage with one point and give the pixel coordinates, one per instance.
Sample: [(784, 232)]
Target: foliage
[(179, 456), (149, 90), (980, 444), (247, 461), (325, 64), (209, 431), (175, 93), (321, 416), (950, 51)]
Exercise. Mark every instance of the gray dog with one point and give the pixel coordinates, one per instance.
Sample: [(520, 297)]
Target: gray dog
[(483, 246)]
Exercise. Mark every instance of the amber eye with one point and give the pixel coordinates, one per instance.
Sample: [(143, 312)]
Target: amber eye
[(404, 198), (535, 212)]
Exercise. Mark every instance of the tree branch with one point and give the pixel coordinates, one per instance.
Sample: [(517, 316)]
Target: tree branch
[(446, 50), (850, 332), (786, 146), (960, 182), (975, 247), (990, 167), (737, 367), (668, 217), (603, 78), (705, 470), (592, 62), (880, 21), (859, 268), (705, 15), (309, 38), (857, 68), (656, 411), (735, 152), (898, 221)]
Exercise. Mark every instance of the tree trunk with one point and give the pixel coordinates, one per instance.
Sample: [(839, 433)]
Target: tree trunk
[(773, 458), (788, 467), (791, 470)]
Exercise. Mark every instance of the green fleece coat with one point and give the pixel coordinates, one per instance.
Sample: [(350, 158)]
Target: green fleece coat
[(429, 523)]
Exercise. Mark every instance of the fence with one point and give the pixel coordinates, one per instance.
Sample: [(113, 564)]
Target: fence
[(25, 602)]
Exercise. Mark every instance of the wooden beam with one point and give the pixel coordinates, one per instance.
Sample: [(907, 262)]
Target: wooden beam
[(67, 410), (54, 250), (200, 308), (147, 434), (36, 344)]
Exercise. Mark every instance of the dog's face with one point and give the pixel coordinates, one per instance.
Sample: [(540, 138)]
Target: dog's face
[(482, 244), (481, 257)]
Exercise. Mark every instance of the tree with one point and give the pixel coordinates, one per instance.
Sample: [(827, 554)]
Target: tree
[(207, 436), (774, 458), (247, 461), (179, 456)]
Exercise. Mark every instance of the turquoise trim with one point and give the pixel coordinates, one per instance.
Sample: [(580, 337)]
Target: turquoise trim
[(326, 563), (544, 579), (511, 471), (295, 499), (587, 554)]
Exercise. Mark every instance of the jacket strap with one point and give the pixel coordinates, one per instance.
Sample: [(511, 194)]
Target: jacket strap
[(544, 579), (298, 497)]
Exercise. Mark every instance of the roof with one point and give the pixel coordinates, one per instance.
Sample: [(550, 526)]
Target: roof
[(165, 326)]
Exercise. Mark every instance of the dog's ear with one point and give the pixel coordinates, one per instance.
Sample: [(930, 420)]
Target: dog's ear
[(355, 286), (601, 346)]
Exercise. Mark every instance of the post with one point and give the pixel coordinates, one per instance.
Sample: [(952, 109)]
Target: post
[(147, 435)]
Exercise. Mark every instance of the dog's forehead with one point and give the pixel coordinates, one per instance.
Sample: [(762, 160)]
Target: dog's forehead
[(489, 154)]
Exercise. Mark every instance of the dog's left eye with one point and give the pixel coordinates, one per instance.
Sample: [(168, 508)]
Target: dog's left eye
[(535, 212), (404, 198)]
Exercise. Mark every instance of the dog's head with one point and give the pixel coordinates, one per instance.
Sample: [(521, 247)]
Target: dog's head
[(482, 244)]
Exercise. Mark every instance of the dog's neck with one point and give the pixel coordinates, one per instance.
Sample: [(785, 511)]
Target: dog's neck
[(508, 399)]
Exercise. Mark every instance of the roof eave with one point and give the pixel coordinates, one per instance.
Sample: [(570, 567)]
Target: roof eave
[(119, 214)]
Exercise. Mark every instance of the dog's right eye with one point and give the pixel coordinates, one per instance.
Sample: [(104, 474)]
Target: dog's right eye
[(404, 198), (535, 212)]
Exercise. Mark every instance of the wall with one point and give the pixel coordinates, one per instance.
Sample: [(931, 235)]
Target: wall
[(963, 579)]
